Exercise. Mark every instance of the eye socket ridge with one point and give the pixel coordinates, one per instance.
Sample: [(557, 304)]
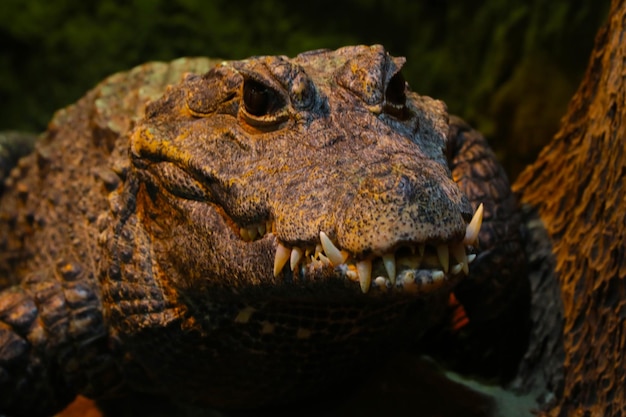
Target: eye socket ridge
[(395, 97)]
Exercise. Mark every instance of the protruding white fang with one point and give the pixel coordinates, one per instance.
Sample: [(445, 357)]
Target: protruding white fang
[(471, 233), (296, 255), (364, 269), (389, 260), (444, 256), (282, 256), (456, 268), (332, 252), (458, 251), (471, 257)]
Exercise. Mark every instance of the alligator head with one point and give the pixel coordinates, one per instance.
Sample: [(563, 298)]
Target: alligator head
[(287, 173)]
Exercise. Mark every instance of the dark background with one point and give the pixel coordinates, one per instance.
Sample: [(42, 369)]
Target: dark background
[(507, 66)]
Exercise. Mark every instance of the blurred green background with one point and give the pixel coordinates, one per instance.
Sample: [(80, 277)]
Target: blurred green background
[(509, 67)]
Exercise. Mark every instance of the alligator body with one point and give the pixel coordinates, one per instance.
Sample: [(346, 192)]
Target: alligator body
[(255, 235)]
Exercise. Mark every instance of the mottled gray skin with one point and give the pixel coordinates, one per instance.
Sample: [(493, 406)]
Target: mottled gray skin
[(120, 233)]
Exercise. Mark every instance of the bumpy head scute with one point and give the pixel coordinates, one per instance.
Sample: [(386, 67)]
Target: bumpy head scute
[(205, 93), (277, 150), (374, 77)]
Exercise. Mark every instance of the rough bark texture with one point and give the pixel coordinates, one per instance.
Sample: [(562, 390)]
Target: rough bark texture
[(577, 186)]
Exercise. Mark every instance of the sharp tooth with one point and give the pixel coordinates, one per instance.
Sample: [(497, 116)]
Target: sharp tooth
[(261, 229), (438, 275), (381, 283), (444, 256), (252, 233), (390, 265), (269, 226), (364, 269), (282, 256), (244, 234), (324, 260), (471, 257), (458, 251), (351, 273), (471, 233), (296, 255), (422, 249), (332, 252), (456, 268)]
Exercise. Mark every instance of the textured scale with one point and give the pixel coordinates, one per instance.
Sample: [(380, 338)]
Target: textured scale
[(125, 262)]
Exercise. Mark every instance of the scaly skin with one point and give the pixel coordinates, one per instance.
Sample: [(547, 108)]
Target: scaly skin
[(154, 240)]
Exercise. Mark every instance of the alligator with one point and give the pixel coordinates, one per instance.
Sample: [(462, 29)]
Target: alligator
[(242, 234)]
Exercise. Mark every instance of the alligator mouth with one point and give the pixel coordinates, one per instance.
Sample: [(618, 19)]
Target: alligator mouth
[(412, 267)]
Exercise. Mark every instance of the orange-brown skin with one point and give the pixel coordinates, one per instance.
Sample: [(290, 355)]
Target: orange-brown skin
[(121, 231)]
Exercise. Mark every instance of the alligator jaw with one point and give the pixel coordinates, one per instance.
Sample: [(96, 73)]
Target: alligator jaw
[(412, 268)]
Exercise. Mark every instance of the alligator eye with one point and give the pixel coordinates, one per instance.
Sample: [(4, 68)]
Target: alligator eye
[(263, 106), (255, 98), (395, 96), (258, 99)]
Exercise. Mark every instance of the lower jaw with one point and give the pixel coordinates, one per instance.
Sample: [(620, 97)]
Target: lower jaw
[(414, 274), (415, 281)]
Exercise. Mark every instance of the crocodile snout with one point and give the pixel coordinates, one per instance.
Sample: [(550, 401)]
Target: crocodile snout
[(421, 206), (344, 169)]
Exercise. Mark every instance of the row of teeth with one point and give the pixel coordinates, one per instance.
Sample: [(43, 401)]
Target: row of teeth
[(249, 234), (326, 253)]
